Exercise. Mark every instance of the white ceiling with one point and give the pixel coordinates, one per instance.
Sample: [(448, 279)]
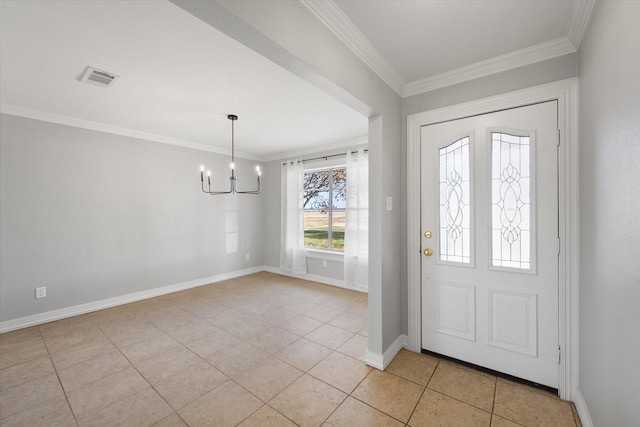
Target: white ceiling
[(445, 35), (179, 77)]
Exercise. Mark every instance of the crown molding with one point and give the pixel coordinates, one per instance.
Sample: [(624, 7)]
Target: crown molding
[(581, 13), (29, 113), (334, 18), (540, 52)]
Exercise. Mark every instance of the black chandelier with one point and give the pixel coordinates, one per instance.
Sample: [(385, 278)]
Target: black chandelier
[(232, 178)]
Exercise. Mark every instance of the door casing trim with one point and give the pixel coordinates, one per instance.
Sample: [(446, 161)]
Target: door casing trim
[(566, 93)]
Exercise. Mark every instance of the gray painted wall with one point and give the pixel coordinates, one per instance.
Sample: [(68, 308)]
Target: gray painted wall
[(92, 216), (609, 215)]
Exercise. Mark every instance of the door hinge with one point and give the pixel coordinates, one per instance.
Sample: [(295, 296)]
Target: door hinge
[(558, 246), (559, 352), (558, 139)]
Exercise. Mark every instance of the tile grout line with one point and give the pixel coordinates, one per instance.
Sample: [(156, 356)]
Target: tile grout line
[(55, 369)]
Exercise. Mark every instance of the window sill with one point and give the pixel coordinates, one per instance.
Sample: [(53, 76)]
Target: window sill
[(328, 255)]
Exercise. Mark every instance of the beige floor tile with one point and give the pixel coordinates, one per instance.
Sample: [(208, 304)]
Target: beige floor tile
[(268, 378), (227, 405), (531, 407), (17, 352), (330, 336), (323, 313), (360, 308), (92, 370), (192, 331), (267, 417), (19, 336), (469, 386), (25, 372), (308, 401), (237, 359), (264, 309), (50, 413), (75, 337), (341, 371), (89, 349), (142, 408), (33, 393), (437, 409), (412, 366), (353, 413), (199, 307), (497, 421), (243, 326), (172, 420), (99, 394), (216, 342), (389, 393), (147, 348), (302, 325), (303, 354), (131, 332), (221, 315), (350, 322), (299, 306), (356, 347), (67, 326), (190, 384), (165, 364), (273, 340), (277, 316)]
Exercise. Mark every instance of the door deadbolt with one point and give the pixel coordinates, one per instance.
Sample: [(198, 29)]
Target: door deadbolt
[(428, 234)]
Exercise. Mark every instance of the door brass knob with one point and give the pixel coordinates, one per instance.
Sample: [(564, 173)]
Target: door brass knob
[(428, 252)]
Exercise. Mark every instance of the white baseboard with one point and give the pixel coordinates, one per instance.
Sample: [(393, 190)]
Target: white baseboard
[(581, 407), (50, 316), (314, 278), (381, 361)]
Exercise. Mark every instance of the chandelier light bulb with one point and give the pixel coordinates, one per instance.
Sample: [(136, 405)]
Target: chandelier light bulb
[(208, 173), (258, 170), (233, 166), (201, 168)]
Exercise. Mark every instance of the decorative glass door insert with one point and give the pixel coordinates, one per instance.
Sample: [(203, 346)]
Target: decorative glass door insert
[(455, 202)]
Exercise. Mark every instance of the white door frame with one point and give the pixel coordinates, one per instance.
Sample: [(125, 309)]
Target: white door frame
[(566, 93)]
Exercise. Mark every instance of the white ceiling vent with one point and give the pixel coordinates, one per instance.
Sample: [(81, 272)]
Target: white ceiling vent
[(99, 77)]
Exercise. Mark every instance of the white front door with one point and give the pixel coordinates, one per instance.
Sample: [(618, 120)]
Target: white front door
[(489, 216)]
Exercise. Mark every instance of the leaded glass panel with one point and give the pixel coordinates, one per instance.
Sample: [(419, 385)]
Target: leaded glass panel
[(455, 202), (511, 201)]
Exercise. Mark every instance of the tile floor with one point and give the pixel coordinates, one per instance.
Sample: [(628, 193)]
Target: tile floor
[(261, 350)]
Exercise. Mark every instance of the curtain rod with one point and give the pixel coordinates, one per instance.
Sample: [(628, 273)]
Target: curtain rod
[(366, 150)]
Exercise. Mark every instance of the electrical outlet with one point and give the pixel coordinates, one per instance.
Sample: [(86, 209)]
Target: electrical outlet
[(41, 292), (247, 257)]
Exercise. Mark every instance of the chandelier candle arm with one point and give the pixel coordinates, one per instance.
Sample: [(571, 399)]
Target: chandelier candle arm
[(232, 179)]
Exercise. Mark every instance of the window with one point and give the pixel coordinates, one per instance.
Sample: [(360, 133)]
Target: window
[(324, 202)]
